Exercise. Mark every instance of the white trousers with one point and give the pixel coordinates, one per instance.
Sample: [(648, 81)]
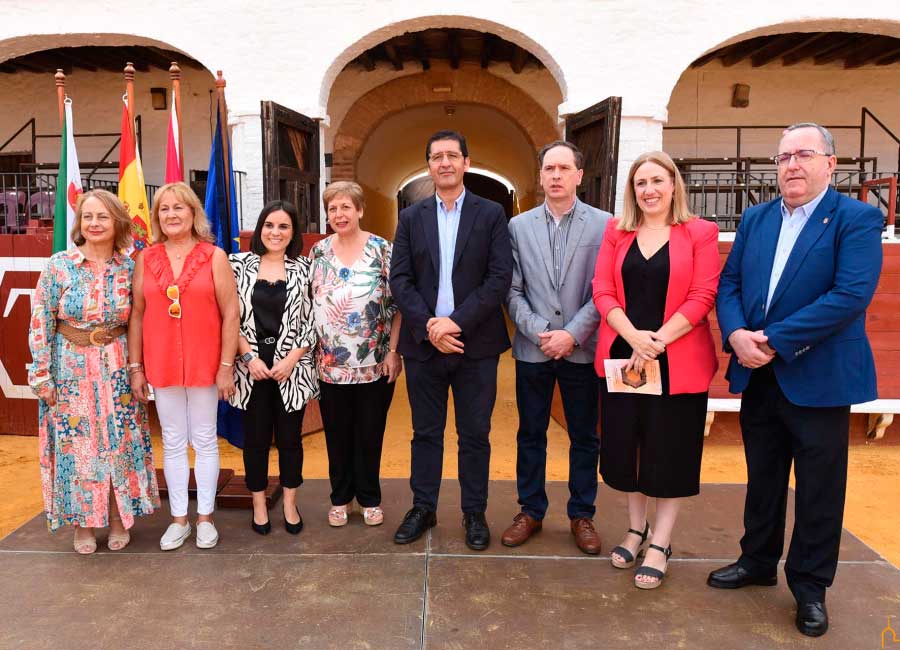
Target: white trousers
[(188, 414)]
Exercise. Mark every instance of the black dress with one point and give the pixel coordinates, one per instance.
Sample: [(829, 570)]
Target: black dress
[(650, 443)]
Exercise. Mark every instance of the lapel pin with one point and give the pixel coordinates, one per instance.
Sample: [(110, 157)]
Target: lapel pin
[(825, 220)]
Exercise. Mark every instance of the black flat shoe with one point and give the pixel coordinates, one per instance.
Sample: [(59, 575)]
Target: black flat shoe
[(478, 535), (734, 576), (414, 525), (261, 529), (294, 529), (812, 618)]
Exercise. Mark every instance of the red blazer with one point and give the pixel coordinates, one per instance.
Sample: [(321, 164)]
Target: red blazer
[(693, 279)]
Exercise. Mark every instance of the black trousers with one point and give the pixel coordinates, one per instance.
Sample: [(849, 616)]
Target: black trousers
[(777, 432), (354, 417), (265, 413), (474, 384)]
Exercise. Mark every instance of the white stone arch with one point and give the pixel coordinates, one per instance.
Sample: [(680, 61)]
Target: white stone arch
[(420, 23), (699, 47)]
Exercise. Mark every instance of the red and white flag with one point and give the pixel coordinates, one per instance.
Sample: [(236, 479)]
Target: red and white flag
[(174, 172)]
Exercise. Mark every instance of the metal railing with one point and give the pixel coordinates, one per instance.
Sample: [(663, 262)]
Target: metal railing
[(723, 196), (28, 199)]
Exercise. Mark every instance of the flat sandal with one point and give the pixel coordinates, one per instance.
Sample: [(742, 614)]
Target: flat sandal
[(630, 559)]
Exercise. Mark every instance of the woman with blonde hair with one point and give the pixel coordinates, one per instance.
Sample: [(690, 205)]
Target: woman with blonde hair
[(95, 453), (182, 339), (654, 284)]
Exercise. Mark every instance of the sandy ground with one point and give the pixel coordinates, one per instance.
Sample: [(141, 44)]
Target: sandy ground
[(872, 492)]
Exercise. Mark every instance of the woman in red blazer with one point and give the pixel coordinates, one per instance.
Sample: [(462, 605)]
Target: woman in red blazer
[(654, 284)]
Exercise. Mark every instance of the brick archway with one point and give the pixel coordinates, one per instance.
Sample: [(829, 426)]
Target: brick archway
[(468, 84)]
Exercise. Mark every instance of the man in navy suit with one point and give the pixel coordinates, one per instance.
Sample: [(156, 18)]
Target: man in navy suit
[(792, 307), (450, 271)]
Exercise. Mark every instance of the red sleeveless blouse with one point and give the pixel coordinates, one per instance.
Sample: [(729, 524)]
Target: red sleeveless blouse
[(181, 351)]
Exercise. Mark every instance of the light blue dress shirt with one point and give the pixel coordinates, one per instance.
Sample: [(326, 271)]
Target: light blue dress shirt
[(791, 226), (448, 227)]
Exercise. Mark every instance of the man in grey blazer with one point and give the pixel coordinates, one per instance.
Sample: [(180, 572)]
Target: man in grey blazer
[(550, 301)]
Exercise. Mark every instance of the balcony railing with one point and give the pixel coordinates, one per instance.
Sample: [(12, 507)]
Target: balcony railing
[(28, 199), (723, 196)]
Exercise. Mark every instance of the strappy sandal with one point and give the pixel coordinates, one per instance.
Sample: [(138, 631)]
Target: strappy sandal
[(650, 572), (627, 555), (338, 515), (84, 546)]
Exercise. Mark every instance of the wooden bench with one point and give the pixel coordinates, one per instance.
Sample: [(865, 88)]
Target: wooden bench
[(881, 413)]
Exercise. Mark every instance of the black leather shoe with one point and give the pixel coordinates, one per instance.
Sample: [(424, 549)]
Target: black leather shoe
[(812, 619), (262, 529), (294, 529), (734, 576), (414, 525), (478, 535)]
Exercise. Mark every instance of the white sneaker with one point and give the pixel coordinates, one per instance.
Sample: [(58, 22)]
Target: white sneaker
[(207, 535), (175, 536)]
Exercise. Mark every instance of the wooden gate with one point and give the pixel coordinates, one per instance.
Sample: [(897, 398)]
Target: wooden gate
[(595, 131), (291, 161)]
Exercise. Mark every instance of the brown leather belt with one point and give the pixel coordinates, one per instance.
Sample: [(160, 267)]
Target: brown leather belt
[(98, 336)]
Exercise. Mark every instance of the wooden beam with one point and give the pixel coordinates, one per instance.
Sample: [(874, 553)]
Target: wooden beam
[(488, 42), (817, 44), (391, 53), (518, 59), (882, 47), (706, 58), (453, 48), (419, 50), (778, 46), (75, 57), (848, 46), (740, 51), (157, 57), (367, 61), (887, 60), (22, 63)]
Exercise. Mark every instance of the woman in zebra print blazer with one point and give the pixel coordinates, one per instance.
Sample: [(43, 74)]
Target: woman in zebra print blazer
[(275, 375)]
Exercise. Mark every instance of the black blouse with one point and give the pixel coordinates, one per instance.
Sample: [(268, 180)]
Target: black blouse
[(268, 300)]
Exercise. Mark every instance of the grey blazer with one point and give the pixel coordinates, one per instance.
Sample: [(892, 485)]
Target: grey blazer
[(534, 303)]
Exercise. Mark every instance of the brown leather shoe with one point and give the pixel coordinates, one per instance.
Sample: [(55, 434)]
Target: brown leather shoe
[(523, 527), (586, 538)]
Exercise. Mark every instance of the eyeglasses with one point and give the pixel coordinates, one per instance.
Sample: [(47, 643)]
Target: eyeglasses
[(801, 156), (173, 294), (452, 156)]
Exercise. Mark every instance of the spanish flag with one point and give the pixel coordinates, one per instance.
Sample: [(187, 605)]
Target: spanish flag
[(132, 192)]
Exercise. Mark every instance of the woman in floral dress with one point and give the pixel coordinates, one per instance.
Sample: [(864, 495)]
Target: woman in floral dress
[(95, 454), (358, 327)]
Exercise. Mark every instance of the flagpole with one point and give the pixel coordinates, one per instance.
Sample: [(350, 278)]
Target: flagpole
[(226, 155), (175, 74), (129, 91), (60, 77)]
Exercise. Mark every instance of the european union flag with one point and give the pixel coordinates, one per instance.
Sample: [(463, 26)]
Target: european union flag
[(221, 208)]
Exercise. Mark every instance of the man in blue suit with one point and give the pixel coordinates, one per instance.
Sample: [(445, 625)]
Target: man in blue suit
[(451, 268), (792, 308)]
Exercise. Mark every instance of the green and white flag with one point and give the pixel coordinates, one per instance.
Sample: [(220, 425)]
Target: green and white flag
[(68, 186)]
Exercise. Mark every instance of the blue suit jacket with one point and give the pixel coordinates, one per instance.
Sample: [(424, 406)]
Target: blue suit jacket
[(817, 317), (482, 272)]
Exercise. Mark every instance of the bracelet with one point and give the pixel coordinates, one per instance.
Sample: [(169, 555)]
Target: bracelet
[(392, 349), (226, 364), (135, 371), (135, 365)]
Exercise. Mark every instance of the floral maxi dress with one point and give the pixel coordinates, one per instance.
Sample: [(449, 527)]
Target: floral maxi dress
[(97, 435)]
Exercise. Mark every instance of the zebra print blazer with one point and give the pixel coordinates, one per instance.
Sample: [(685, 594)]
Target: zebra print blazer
[(296, 331)]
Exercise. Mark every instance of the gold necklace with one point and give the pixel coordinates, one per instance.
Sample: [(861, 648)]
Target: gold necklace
[(175, 252), (649, 227)]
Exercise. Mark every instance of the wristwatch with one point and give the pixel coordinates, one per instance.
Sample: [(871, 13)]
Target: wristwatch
[(247, 357)]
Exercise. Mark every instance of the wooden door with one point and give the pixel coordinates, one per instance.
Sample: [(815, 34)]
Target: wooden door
[(595, 131), (291, 161)]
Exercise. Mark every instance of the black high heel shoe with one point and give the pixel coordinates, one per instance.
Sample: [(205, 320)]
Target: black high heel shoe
[(294, 529), (625, 554), (261, 529)]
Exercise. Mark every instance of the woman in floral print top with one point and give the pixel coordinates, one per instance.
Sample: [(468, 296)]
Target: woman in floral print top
[(94, 439), (357, 325)]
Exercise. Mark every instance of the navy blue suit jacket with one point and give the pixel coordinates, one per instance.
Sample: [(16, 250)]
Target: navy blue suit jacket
[(816, 321), (482, 273)]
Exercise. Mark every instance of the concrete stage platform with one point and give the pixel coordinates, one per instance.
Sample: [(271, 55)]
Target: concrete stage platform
[(352, 588)]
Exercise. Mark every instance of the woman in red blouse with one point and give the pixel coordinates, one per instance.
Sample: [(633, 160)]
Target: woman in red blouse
[(654, 284), (184, 327)]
